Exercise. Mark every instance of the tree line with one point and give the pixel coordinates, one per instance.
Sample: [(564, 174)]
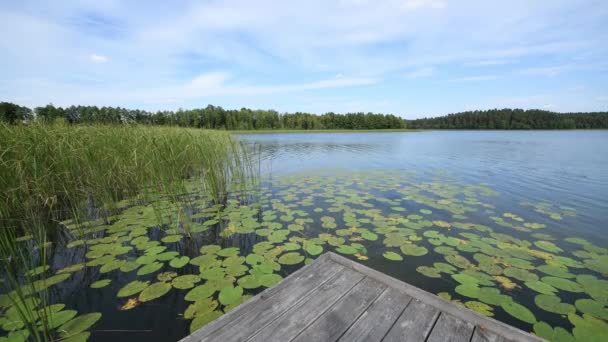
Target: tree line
[(513, 119), (215, 117)]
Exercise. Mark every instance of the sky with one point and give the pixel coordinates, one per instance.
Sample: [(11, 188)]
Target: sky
[(412, 58)]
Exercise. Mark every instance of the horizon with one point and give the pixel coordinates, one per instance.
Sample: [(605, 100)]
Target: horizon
[(410, 58)]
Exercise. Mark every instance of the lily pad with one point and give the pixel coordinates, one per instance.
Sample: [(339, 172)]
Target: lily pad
[(291, 258), (79, 324), (413, 250), (101, 283), (541, 287), (563, 284), (179, 262), (200, 292), (230, 294), (519, 311), (553, 304), (154, 291), (132, 288), (172, 238), (592, 307), (149, 268), (392, 256)]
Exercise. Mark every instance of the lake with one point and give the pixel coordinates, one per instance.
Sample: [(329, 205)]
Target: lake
[(508, 223)]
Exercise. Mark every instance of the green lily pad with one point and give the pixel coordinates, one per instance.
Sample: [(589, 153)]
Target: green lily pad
[(541, 287), (268, 280), (226, 252), (520, 274), (548, 246), (563, 284), (553, 304), (588, 328), (291, 258), (154, 291), (249, 282), (413, 250), (560, 272), (519, 311), (79, 324), (313, 249), (200, 292), (132, 288), (202, 320), (230, 294), (458, 261), (480, 307), (101, 283), (345, 249), (185, 282), (468, 290), (430, 272), (200, 308), (149, 268), (392, 256), (179, 262), (558, 334), (592, 307)]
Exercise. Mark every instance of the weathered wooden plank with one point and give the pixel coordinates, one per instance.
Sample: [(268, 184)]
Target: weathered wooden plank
[(414, 324), (335, 321), (375, 322), (299, 316), (499, 328), (483, 335), (452, 329), (264, 307)]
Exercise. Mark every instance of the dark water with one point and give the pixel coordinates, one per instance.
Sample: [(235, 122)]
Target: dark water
[(468, 192)]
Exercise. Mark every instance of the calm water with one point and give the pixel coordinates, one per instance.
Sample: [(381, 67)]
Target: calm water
[(567, 168), (502, 211)]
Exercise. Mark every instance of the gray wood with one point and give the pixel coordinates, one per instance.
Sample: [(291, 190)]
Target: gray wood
[(375, 322), (352, 312), (452, 329), (335, 321), (264, 307), (483, 335), (299, 316), (499, 328), (414, 324)]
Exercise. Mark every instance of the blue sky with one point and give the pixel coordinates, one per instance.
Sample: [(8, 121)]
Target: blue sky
[(412, 58)]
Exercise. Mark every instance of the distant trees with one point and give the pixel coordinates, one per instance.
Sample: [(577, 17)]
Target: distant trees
[(12, 113), (513, 119), (215, 117)]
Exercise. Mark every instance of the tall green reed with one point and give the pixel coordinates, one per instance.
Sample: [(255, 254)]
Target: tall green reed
[(52, 172)]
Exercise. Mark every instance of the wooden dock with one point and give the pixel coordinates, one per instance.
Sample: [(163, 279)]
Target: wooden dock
[(336, 299)]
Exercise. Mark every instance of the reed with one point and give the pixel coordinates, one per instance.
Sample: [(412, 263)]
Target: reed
[(49, 173)]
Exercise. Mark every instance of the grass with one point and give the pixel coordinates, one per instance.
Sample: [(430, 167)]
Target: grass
[(52, 172), (270, 131)]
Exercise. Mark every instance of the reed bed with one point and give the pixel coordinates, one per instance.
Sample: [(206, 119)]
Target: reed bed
[(50, 173)]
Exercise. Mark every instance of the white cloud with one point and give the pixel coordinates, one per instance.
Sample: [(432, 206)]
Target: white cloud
[(421, 72), (475, 78), (95, 58)]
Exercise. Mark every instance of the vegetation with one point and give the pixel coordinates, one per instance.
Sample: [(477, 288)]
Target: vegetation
[(51, 172), (513, 119), (213, 117)]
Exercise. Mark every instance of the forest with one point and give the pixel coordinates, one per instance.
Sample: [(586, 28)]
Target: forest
[(215, 117)]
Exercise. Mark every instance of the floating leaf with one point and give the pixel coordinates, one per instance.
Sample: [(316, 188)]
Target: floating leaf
[(201, 321), (553, 304), (520, 274), (392, 256), (563, 284), (149, 268), (101, 283), (230, 294), (200, 292), (411, 249), (519, 311), (172, 238), (154, 291), (345, 249), (480, 307), (79, 324), (132, 288), (291, 258), (179, 262), (430, 272), (200, 308), (592, 307)]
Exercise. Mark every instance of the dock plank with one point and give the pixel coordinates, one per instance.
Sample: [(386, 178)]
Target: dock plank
[(334, 322), (263, 308), (335, 298), (375, 322), (299, 316), (414, 324), (451, 329), (482, 335)]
